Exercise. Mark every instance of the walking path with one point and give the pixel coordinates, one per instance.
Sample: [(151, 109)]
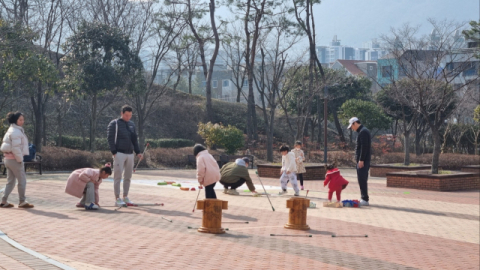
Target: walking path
[(407, 229)]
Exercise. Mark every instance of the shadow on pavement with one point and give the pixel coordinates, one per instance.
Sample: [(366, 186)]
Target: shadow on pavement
[(49, 214), (319, 232), (427, 212), (168, 213), (228, 235), (241, 218)]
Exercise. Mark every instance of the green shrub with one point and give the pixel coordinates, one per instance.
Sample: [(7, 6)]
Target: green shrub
[(74, 142), (228, 137), (170, 143)]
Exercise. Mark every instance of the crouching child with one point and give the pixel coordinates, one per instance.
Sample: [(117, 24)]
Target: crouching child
[(84, 184)]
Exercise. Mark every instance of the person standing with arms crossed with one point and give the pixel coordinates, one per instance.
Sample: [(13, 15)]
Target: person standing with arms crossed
[(123, 141), (363, 156)]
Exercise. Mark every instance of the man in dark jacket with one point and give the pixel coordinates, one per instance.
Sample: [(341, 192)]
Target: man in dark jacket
[(123, 141), (363, 155), (235, 174)]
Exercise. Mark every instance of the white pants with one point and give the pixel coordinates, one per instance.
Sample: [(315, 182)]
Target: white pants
[(122, 161), (292, 177)]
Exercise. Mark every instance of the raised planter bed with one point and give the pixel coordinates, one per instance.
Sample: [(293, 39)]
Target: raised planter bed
[(471, 168), (381, 170), (438, 182), (314, 171)]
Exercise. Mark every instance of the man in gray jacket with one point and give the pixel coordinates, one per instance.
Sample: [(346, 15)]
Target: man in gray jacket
[(123, 141)]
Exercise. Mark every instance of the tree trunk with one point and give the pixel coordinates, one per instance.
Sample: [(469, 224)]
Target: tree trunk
[(436, 150), (338, 126), (93, 123), (406, 147), (38, 115), (190, 82), (141, 127), (59, 128), (270, 145)]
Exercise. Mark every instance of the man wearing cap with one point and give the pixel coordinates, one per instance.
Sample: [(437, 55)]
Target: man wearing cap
[(235, 174), (363, 155)]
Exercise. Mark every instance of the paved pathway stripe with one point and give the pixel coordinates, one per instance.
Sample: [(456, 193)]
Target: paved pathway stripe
[(27, 256)]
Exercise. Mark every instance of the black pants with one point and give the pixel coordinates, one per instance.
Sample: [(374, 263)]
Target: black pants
[(362, 176), (233, 185), (300, 177), (210, 192)]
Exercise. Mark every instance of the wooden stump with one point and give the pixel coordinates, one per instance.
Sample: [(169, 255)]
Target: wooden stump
[(212, 215), (297, 218)]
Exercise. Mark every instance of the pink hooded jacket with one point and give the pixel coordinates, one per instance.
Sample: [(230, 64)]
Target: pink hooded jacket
[(207, 169), (78, 180)]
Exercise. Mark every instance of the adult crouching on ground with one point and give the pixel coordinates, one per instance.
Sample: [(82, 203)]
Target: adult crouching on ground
[(363, 154), (14, 147), (235, 174), (123, 141)]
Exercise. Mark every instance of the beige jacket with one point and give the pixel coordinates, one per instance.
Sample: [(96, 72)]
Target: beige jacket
[(16, 142), (207, 169), (299, 159)]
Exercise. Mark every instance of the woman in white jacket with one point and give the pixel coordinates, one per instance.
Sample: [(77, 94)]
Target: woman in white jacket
[(14, 147)]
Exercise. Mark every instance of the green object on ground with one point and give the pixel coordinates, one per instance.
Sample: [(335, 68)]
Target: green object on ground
[(176, 185), (161, 183), (406, 192), (246, 190)]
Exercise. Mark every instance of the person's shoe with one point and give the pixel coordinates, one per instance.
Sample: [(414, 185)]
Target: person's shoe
[(301, 187), (233, 192), (297, 194), (119, 202), (225, 190), (92, 206), (6, 205), (364, 203), (282, 192), (127, 201), (25, 205), (80, 205)]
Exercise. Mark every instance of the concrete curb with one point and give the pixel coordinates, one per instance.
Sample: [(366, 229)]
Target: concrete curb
[(7, 239)]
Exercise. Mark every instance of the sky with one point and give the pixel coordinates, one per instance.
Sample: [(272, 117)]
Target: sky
[(358, 21)]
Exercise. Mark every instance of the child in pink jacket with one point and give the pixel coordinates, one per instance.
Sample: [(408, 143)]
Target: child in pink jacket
[(208, 172), (84, 184)]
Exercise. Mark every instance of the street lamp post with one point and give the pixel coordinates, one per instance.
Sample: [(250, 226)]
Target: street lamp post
[(325, 111)]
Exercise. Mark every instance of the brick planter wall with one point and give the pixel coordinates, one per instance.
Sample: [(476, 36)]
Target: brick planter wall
[(314, 172), (381, 170), (471, 168), (437, 182)]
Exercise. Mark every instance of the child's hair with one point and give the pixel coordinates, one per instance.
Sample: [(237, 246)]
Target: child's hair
[(107, 169), (198, 148), (331, 166), (298, 143), (284, 148), (13, 117)]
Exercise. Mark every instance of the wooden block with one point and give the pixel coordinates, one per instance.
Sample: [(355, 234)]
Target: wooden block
[(200, 204), (289, 203), (224, 205)]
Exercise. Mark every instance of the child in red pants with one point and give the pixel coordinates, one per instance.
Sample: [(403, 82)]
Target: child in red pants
[(335, 181)]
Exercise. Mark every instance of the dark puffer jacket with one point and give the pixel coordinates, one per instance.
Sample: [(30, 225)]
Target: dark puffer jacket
[(363, 150), (127, 139)]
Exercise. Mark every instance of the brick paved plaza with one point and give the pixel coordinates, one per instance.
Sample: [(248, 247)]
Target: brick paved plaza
[(407, 229)]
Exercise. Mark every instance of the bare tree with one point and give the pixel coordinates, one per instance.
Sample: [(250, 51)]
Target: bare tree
[(269, 76), (233, 44), (436, 68)]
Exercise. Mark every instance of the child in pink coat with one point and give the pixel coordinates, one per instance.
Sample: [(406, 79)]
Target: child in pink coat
[(335, 181), (208, 172), (84, 184)]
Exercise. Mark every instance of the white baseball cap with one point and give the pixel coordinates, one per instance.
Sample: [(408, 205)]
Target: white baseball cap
[(351, 121)]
